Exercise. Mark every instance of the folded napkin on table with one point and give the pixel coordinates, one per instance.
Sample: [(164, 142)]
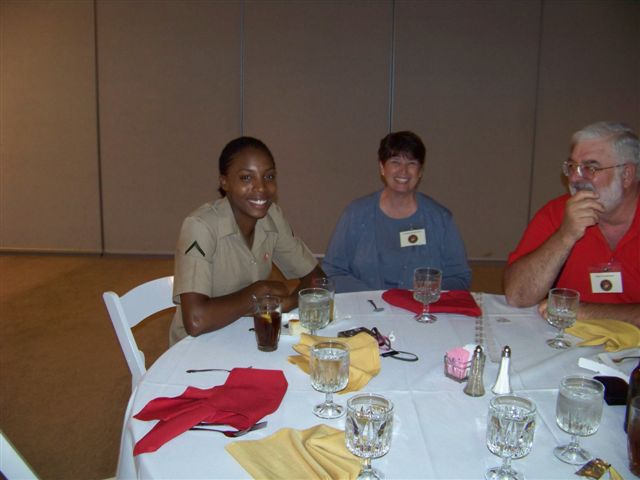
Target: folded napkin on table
[(613, 334), (248, 395), (315, 453), (364, 357), (452, 301)]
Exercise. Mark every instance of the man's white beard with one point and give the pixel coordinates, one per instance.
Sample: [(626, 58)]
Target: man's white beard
[(611, 195)]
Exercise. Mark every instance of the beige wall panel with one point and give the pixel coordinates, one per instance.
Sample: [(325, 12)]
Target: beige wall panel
[(317, 92), (48, 155), (590, 71), (466, 81), (169, 100)]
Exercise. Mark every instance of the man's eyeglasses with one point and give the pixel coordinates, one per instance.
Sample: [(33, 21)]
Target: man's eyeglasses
[(588, 172)]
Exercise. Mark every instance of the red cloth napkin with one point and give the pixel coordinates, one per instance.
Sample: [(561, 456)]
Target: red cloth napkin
[(453, 301), (248, 395)]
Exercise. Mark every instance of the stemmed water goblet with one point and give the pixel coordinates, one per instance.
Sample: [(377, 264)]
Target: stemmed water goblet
[(314, 306), (562, 309), (329, 364), (511, 424), (426, 290), (578, 412), (368, 430)]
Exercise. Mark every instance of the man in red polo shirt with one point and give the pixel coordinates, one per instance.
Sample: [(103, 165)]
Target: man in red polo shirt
[(588, 240)]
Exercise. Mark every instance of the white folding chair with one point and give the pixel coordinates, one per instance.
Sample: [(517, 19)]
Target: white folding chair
[(130, 309), (12, 465)]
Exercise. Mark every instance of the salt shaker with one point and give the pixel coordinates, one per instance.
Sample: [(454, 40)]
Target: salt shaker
[(475, 383), (503, 385)]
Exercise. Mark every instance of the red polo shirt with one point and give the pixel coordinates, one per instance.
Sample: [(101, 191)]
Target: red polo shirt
[(590, 252)]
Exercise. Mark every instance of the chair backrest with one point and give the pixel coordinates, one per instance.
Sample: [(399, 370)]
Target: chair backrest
[(12, 465), (130, 309)]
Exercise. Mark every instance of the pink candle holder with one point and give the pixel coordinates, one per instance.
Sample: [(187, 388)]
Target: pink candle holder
[(456, 369)]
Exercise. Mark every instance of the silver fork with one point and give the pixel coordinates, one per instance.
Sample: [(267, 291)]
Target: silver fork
[(203, 427), (375, 307)]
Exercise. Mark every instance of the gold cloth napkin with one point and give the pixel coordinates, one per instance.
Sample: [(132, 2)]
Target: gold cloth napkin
[(614, 334), (315, 453), (364, 357)]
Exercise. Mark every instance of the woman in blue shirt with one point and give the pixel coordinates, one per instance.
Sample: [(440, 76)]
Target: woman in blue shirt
[(381, 238)]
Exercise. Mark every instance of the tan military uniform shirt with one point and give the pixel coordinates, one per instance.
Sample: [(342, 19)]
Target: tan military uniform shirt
[(213, 259)]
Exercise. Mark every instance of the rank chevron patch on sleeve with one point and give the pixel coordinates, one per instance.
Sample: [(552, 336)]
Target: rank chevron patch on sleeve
[(196, 246)]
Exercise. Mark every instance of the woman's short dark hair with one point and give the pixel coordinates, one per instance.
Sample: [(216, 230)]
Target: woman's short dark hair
[(402, 144), (234, 147)]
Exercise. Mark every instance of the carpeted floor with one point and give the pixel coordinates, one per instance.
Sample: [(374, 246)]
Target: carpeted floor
[(64, 383)]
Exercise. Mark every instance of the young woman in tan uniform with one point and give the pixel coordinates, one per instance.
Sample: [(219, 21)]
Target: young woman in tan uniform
[(225, 251)]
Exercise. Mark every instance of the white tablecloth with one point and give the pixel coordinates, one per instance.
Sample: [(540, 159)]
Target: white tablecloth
[(439, 432)]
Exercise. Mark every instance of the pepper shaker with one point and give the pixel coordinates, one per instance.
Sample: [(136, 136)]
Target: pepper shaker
[(475, 383), (503, 383)]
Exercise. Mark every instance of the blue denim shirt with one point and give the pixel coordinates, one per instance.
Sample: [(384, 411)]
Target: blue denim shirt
[(357, 258)]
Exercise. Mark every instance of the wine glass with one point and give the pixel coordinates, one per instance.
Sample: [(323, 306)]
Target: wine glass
[(313, 308), (578, 412), (368, 430), (426, 290), (562, 309), (510, 427), (329, 362)]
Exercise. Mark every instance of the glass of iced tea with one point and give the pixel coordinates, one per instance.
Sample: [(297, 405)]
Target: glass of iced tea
[(267, 318)]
